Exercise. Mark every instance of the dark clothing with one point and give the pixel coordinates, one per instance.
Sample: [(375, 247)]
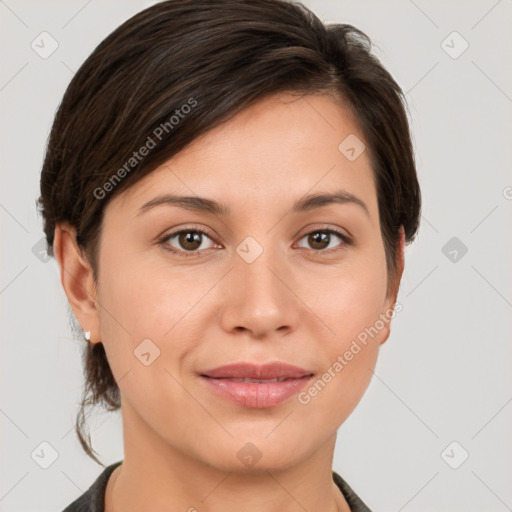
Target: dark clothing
[(93, 499)]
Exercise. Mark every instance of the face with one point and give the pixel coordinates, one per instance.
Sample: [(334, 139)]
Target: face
[(183, 290)]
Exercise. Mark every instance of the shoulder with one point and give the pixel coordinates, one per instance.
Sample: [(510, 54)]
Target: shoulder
[(354, 501), (93, 499)]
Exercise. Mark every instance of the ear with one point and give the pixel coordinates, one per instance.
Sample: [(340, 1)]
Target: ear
[(76, 277), (394, 286)]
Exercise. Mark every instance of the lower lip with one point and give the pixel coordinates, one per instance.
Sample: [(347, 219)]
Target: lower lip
[(257, 395)]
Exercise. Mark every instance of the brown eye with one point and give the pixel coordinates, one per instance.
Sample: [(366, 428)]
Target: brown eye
[(189, 242), (319, 240), (323, 239)]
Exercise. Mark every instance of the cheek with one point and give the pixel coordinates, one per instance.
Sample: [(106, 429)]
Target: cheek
[(356, 296), (352, 307), (143, 294), (142, 313), (149, 299), (137, 305)]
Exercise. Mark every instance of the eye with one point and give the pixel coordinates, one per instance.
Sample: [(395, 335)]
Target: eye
[(190, 241), (320, 239)]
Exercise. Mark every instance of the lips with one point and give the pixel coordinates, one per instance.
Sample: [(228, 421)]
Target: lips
[(256, 386), (257, 381), (276, 370)]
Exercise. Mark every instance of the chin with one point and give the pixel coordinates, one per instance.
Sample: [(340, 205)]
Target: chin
[(255, 457)]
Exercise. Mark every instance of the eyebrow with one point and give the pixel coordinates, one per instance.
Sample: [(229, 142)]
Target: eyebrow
[(201, 204)]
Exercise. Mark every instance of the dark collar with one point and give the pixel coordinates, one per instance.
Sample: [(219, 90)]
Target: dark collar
[(93, 499)]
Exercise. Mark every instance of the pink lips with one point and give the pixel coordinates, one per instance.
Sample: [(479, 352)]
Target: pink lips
[(228, 381)]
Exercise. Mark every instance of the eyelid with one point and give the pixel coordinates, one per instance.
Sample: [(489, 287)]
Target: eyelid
[(327, 227), (346, 240), (163, 239)]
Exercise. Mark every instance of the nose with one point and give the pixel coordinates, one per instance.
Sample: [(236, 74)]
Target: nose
[(261, 297)]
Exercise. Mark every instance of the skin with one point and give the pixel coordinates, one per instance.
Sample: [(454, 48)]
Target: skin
[(297, 302)]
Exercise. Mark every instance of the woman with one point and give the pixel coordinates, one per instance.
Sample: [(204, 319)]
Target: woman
[(228, 188)]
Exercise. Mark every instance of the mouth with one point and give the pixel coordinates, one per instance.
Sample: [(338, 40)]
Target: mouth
[(267, 372), (249, 380), (256, 387)]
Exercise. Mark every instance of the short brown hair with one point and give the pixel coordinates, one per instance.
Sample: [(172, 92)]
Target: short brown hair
[(224, 55)]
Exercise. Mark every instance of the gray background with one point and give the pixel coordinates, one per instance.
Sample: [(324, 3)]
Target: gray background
[(445, 373)]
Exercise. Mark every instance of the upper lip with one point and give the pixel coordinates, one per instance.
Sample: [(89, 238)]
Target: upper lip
[(253, 371)]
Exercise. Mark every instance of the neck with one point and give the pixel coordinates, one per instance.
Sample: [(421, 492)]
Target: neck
[(157, 476)]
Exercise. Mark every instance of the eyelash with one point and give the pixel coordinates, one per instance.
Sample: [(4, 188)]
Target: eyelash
[(187, 254)]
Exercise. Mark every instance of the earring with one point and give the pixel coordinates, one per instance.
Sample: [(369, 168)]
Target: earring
[(87, 335)]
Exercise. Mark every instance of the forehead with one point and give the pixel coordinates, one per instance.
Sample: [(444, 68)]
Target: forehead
[(279, 149)]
